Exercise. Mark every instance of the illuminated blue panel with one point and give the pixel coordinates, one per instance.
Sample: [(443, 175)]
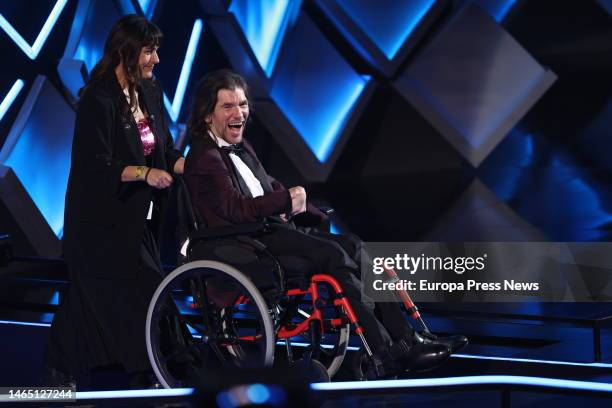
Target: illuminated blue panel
[(498, 9), (147, 7), (174, 108), (264, 24), (467, 380), (172, 392), (97, 23), (45, 139), (535, 194), (10, 97), (531, 360), (33, 50), (388, 26), (316, 97), (11, 322), (497, 72), (144, 5)]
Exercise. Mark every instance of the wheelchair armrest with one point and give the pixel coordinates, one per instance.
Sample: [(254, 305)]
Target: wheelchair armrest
[(228, 231)]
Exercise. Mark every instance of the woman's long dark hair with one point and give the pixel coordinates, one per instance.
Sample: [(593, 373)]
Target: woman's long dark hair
[(123, 44)]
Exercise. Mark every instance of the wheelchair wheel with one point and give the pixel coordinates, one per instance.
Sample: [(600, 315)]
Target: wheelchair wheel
[(335, 340), (203, 315)]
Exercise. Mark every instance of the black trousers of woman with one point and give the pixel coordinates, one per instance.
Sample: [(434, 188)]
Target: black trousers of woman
[(339, 256), (101, 322)]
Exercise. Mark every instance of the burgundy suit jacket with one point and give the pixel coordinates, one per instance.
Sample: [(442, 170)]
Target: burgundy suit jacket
[(216, 193)]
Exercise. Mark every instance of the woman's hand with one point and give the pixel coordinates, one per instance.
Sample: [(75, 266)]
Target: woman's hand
[(158, 178)]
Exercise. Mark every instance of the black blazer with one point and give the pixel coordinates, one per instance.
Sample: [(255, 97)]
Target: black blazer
[(104, 217)]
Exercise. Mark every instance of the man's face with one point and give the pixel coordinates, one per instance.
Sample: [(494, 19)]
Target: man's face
[(147, 60), (229, 117)]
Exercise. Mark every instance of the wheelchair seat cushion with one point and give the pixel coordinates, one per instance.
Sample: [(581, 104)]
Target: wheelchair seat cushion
[(258, 267)]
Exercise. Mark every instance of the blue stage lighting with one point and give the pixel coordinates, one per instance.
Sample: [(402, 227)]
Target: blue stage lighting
[(499, 9), (258, 393), (320, 124), (388, 26), (468, 380), (147, 7), (33, 50), (88, 53), (10, 97), (101, 395), (54, 299), (174, 108), (11, 322), (43, 134), (144, 5), (531, 360), (316, 97), (264, 24)]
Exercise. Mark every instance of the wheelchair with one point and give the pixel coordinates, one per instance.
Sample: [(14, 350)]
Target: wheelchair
[(230, 303)]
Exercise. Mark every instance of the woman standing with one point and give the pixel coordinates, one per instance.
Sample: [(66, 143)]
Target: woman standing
[(122, 163)]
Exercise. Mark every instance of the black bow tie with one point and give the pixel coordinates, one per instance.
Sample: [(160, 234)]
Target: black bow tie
[(235, 148)]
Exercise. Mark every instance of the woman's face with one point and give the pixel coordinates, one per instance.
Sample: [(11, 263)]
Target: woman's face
[(147, 60)]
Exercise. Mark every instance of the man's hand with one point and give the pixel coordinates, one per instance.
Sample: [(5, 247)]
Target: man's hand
[(158, 178), (298, 200)]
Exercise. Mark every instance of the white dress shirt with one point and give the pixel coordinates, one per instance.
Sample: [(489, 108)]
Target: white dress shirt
[(247, 175)]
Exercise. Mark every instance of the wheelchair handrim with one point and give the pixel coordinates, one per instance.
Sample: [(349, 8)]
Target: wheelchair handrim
[(234, 273)]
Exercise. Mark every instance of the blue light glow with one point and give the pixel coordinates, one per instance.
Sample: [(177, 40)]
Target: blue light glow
[(531, 360), (324, 346), (381, 384), (264, 24), (25, 323), (316, 98), (324, 146), (468, 380), (46, 139), (33, 50), (390, 26), (174, 108), (10, 97), (88, 53), (54, 299), (147, 7), (172, 392), (498, 9), (144, 5), (333, 229), (258, 393), (90, 29)]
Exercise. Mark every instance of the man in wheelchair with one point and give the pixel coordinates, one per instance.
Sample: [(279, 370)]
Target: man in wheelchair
[(228, 186)]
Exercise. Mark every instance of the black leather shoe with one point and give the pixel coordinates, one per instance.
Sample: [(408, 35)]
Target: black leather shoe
[(418, 353), (411, 353), (454, 343)]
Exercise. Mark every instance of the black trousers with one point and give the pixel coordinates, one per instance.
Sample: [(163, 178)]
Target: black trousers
[(339, 256), (101, 322)]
